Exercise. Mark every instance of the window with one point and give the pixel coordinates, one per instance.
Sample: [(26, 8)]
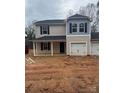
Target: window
[(81, 27), (45, 46), (74, 27), (44, 29)]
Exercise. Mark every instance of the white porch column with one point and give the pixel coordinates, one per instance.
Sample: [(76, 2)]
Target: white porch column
[(34, 48), (51, 48)]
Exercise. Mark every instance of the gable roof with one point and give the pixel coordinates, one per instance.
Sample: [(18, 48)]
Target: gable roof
[(50, 22), (94, 36), (61, 21), (78, 16)]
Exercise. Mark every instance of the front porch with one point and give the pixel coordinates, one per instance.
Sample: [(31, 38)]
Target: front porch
[(49, 46)]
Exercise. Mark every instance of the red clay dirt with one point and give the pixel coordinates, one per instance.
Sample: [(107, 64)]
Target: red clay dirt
[(62, 75)]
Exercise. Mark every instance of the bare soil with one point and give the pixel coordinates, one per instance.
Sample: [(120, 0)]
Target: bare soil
[(62, 75)]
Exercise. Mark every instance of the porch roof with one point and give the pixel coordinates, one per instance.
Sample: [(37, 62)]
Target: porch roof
[(49, 39)]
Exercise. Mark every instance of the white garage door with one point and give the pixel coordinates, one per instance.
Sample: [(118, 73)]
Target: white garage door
[(78, 49), (94, 48)]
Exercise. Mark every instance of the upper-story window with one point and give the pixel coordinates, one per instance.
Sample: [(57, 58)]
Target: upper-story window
[(81, 27), (44, 29), (74, 27)]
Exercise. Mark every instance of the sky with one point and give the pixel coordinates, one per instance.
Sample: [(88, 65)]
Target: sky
[(36, 10)]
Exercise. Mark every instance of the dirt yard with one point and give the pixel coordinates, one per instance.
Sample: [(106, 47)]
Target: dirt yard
[(62, 75)]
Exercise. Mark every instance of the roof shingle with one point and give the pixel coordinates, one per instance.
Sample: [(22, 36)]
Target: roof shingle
[(78, 17), (51, 38), (49, 22)]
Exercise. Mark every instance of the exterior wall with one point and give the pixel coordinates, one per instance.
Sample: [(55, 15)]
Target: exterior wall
[(53, 30), (56, 47), (78, 36), (77, 39), (57, 30), (37, 31), (77, 22), (96, 47)]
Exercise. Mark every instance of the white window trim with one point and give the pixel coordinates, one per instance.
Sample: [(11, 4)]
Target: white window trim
[(82, 27), (74, 27), (78, 26)]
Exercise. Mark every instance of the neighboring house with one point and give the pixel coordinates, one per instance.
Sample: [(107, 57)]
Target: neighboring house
[(65, 37)]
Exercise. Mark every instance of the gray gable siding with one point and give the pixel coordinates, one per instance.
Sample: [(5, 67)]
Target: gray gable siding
[(77, 22), (78, 17)]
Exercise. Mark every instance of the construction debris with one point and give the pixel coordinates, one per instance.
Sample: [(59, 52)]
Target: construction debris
[(28, 60)]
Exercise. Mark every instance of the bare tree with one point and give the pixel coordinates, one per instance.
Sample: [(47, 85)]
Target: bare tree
[(94, 27), (70, 13), (29, 31), (82, 11), (97, 16), (91, 11)]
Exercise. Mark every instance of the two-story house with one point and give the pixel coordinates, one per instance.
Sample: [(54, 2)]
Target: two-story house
[(65, 37)]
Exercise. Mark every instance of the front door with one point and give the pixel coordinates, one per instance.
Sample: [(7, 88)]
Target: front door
[(62, 49)]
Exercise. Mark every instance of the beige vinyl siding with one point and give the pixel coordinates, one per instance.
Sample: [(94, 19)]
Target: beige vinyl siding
[(37, 31), (57, 30), (56, 47), (77, 39), (53, 30)]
